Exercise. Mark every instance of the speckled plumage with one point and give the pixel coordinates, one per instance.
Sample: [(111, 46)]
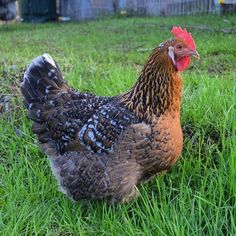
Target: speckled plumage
[(103, 147)]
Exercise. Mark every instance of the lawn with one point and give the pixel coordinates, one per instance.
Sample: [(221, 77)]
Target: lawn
[(197, 197)]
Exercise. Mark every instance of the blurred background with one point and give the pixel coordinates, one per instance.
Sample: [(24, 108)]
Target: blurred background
[(66, 10)]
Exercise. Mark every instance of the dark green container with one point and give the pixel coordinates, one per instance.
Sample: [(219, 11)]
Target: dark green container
[(38, 10)]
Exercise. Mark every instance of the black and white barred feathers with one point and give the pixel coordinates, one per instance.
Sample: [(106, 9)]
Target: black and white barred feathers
[(65, 120)]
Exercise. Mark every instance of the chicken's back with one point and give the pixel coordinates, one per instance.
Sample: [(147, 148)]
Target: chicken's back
[(57, 111), (65, 120)]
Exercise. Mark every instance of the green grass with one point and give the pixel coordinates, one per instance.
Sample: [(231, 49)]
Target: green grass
[(197, 197)]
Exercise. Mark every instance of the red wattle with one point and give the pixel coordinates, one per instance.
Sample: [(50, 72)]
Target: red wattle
[(183, 63)]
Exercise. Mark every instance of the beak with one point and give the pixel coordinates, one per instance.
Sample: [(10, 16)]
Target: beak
[(194, 54)]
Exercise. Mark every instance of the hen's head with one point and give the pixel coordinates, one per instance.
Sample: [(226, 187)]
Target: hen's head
[(181, 48)]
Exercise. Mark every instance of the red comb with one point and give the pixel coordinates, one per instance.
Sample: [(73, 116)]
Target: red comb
[(183, 34)]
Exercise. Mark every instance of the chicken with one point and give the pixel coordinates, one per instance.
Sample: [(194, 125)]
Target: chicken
[(104, 147)]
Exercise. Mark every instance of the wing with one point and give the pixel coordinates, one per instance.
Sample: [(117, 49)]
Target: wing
[(58, 112), (102, 130), (62, 118)]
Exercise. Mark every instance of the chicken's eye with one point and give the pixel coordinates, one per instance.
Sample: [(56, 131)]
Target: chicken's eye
[(179, 46)]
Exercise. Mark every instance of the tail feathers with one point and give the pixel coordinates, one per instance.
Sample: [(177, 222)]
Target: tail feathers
[(42, 80)]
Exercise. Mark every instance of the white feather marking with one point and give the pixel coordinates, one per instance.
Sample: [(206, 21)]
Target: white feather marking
[(171, 54), (49, 59), (81, 133), (91, 136)]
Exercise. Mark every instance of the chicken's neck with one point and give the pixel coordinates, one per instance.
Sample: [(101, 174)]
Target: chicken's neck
[(157, 90)]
